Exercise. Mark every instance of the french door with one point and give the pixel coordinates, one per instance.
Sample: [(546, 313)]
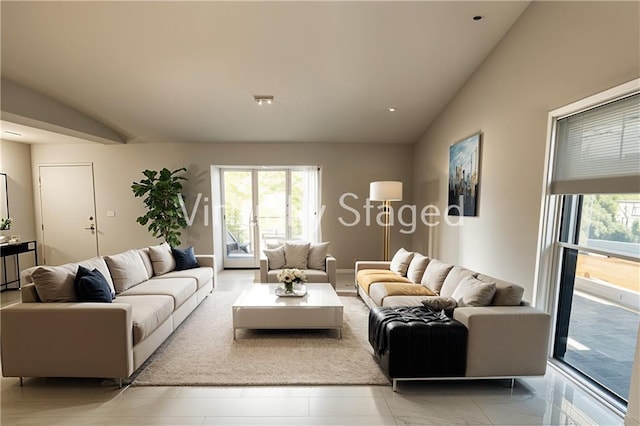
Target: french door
[(264, 207)]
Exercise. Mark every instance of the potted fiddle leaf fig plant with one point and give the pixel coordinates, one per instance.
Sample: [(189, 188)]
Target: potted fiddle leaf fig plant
[(162, 191)]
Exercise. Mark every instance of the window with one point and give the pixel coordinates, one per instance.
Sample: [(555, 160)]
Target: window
[(263, 207), (589, 268)]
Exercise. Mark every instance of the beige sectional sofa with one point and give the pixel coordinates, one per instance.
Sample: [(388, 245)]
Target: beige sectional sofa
[(506, 336), (50, 334)]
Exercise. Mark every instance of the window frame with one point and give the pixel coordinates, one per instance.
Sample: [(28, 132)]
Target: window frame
[(551, 249)]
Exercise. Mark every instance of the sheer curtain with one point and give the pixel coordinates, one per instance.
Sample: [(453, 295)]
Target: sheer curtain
[(311, 204)]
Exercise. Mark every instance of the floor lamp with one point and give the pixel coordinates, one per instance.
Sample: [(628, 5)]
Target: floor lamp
[(386, 191)]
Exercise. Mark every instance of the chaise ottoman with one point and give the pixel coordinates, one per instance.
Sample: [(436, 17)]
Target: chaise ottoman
[(416, 342)]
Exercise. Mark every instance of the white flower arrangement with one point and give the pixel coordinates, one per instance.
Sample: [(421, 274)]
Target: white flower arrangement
[(292, 276), (5, 223)]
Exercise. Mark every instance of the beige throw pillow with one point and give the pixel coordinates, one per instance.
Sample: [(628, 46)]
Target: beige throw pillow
[(438, 303), (275, 257), (296, 254), (127, 270), (507, 294), (400, 262), (416, 268), (144, 255), (435, 275), (162, 259), (317, 256), (55, 283), (473, 292), (455, 275)]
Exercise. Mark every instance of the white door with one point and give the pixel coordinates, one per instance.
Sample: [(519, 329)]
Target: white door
[(68, 213)]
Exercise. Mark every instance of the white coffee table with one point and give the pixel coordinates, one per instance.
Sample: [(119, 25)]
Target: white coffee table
[(260, 308)]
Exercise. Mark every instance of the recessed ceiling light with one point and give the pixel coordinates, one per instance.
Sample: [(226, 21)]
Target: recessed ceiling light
[(12, 133), (392, 109), (263, 99), (477, 18)]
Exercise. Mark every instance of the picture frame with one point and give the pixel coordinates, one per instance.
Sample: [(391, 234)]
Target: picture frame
[(464, 176)]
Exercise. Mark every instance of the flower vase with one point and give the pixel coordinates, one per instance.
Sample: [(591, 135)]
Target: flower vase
[(288, 287)]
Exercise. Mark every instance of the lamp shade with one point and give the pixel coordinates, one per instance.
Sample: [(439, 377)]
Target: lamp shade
[(386, 190)]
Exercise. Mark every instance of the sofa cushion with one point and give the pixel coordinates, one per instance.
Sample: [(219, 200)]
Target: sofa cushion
[(313, 276), (275, 257), (365, 280), (416, 268), (296, 255), (473, 292), (201, 275), (395, 301), (455, 275), (317, 256), (507, 294), (55, 283), (379, 291), (148, 265), (180, 289), (127, 270), (316, 276), (400, 261), (185, 258), (91, 286), (162, 259), (439, 303), (147, 313), (435, 275)]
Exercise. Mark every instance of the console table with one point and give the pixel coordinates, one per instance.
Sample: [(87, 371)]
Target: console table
[(15, 249)]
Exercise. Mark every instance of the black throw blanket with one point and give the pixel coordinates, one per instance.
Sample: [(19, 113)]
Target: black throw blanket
[(405, 314)]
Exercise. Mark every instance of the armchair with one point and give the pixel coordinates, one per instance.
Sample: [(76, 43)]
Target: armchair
[(328, 274)]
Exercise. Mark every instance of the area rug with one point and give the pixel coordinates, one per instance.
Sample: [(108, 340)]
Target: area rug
[(202, 352)]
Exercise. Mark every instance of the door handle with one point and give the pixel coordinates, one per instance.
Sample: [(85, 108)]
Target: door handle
[(91, 228)]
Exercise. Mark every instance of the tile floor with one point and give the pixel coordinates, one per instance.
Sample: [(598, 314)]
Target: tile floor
[(552, 400)]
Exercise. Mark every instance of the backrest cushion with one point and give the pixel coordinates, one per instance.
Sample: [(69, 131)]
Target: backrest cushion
[(275, 257), (296, 254), (416, 267), (91, 286), (507, 294), (162, 259), (473, 292), (400, 262), (455, 275), (185, 258), (55, 283), (317, 258), (127, 270), (435, 275), (144, 255)]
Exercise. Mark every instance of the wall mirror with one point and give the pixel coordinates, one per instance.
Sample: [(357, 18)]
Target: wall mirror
[(4, 196)]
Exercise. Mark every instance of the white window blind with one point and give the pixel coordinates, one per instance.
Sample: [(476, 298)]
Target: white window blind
[(598, 151)]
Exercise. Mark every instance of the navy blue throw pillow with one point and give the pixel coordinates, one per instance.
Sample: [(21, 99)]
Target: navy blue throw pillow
[(92, 286), (185, 259)]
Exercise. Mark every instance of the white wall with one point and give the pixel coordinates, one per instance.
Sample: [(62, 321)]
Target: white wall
[(556, 53), (346, 168)]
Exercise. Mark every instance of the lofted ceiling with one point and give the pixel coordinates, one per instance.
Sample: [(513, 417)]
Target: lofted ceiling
[(187, 71)]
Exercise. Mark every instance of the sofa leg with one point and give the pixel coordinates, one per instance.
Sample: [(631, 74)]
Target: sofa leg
[(394, 385), (513, 382), (120, 383), (21, 383)]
